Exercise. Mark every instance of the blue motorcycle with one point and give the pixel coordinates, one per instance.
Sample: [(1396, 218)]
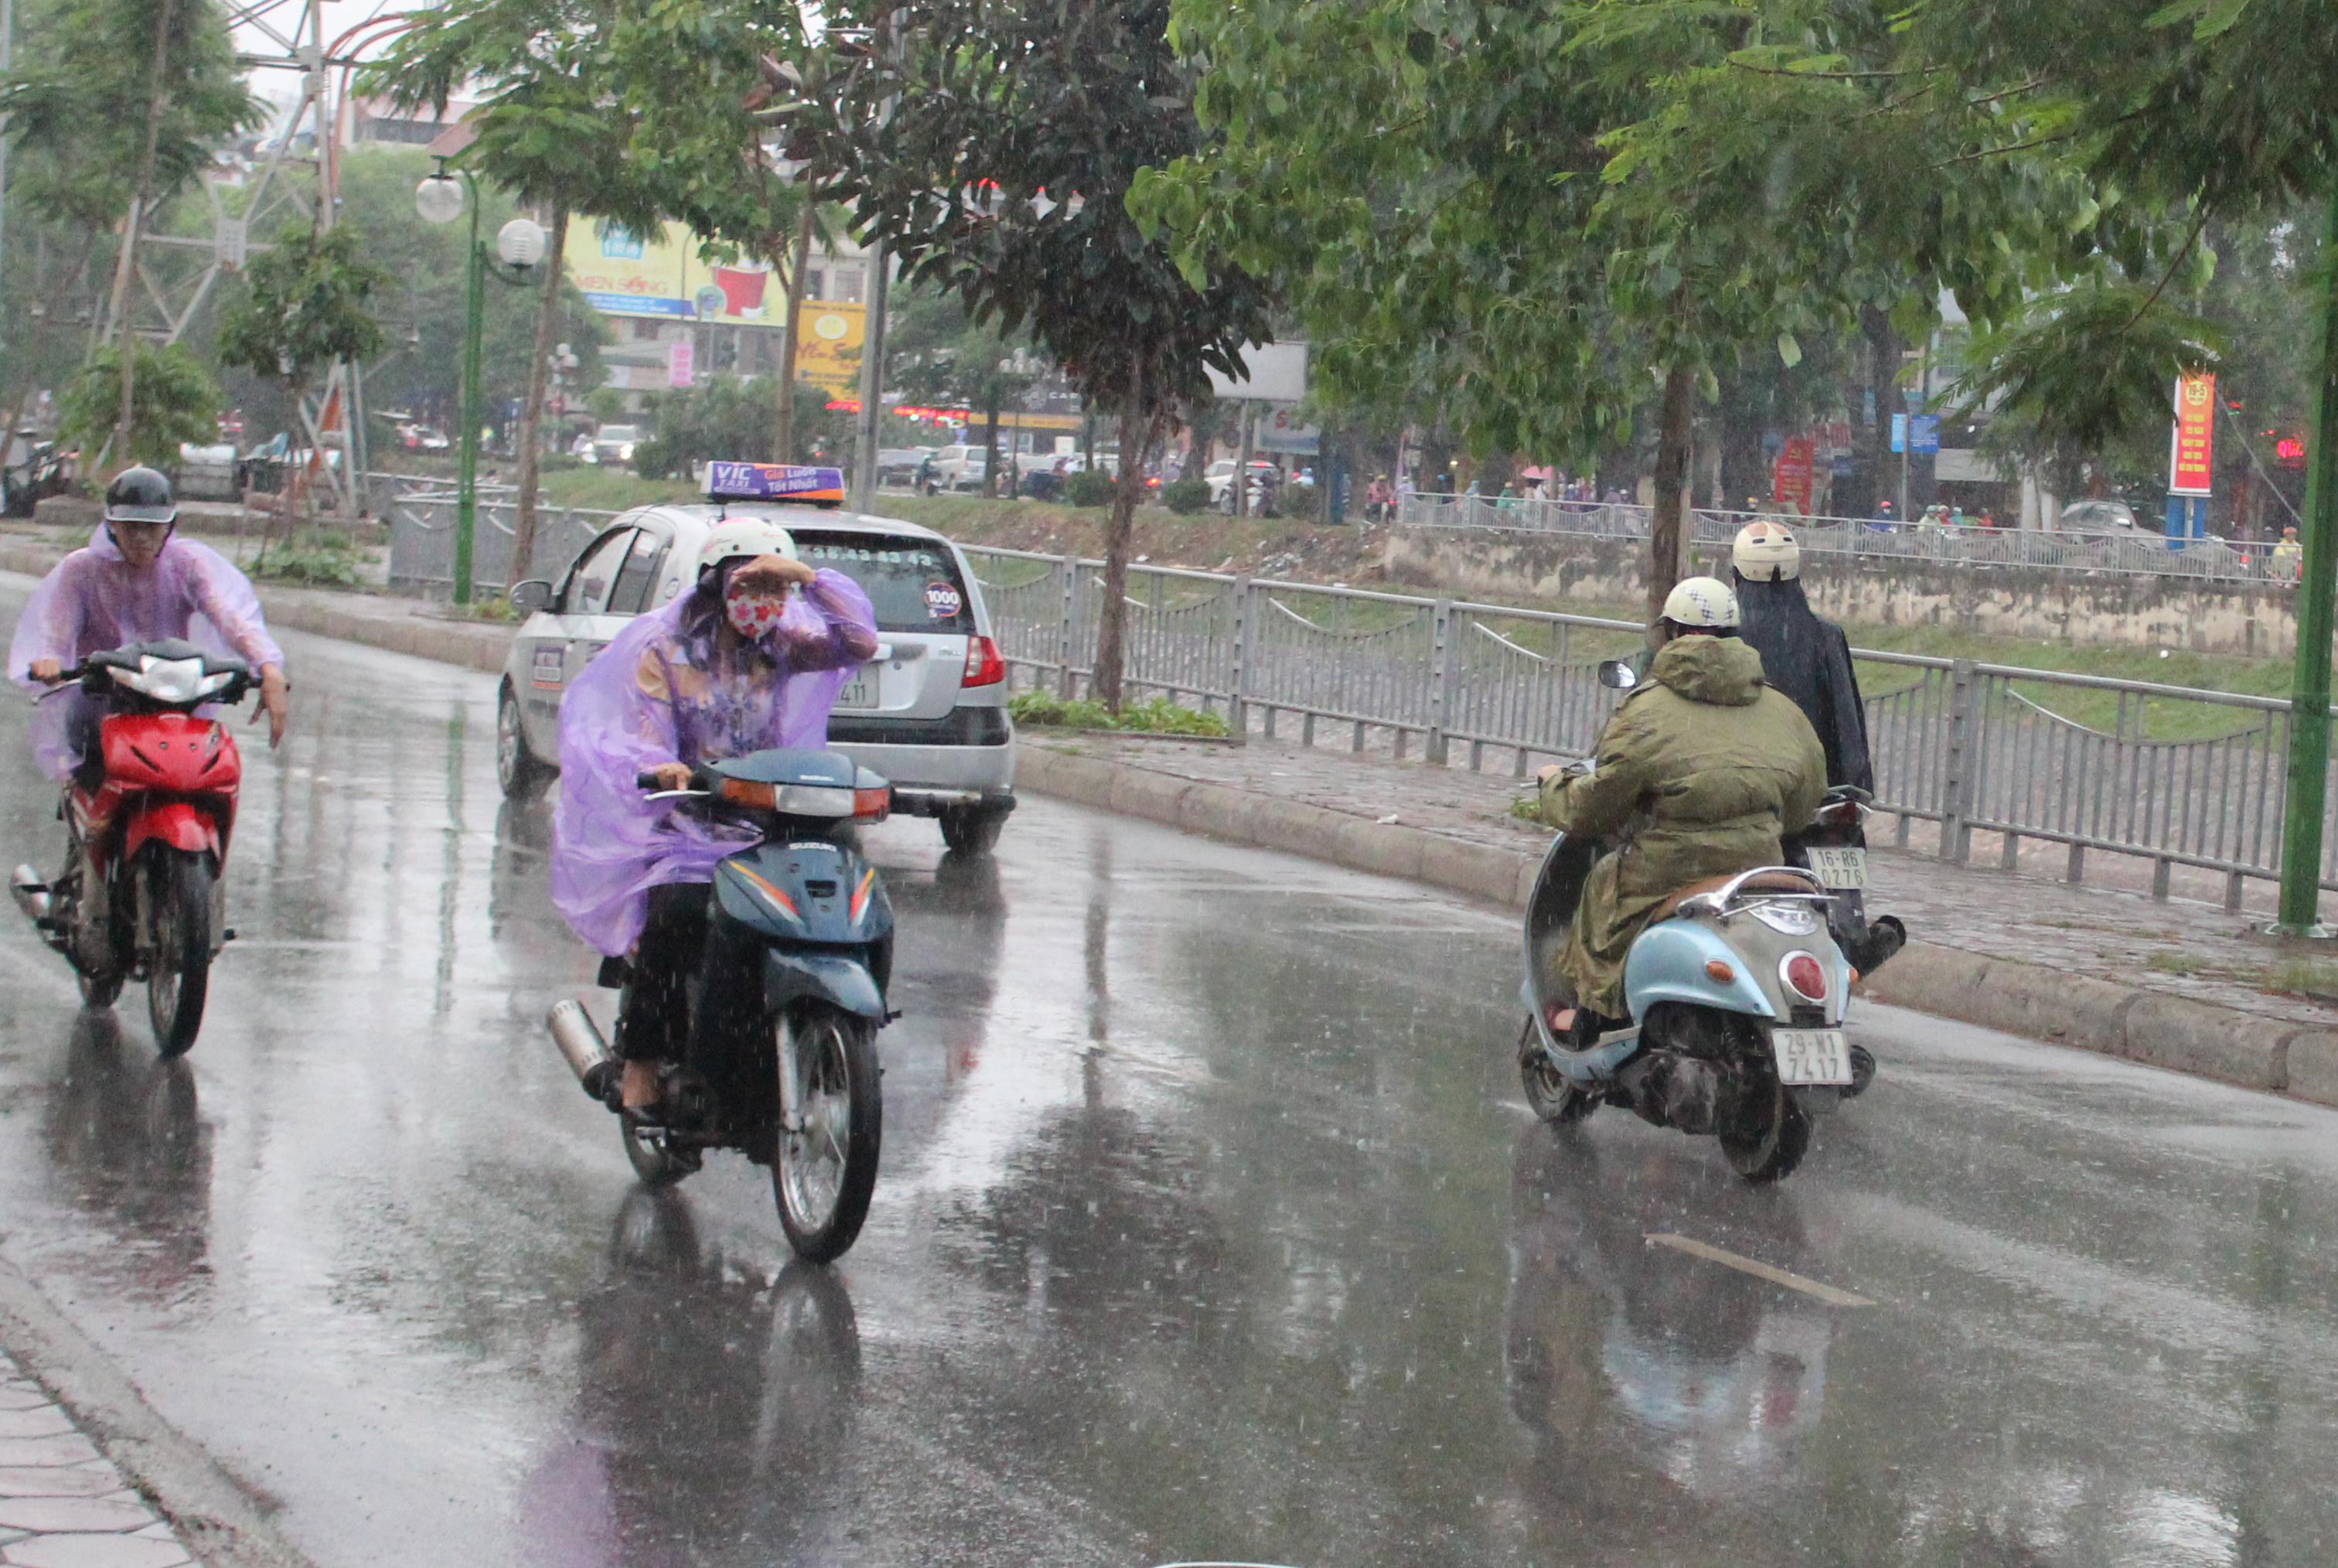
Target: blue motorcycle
[(781, 1062), (1736, 993)]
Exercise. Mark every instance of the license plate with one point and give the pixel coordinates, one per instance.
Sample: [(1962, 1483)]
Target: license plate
[(860, 691), (1839, 868), (1811, 1055)]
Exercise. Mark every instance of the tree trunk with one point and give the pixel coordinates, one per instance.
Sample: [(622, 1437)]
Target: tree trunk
[(1112, 619), (531, 413), (991, 445), (783, 424), (126, 264), (1675, 426)]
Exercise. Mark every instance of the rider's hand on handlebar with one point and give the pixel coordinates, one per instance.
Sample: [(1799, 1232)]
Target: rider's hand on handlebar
[(670, 775), (47, 672), (272, 687)]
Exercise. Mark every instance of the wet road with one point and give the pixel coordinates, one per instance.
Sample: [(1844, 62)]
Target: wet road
[(1210, 1225)]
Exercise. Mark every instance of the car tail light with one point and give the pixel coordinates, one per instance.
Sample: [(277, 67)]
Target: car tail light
[(1805, 976), (873, 805), (984, 667)]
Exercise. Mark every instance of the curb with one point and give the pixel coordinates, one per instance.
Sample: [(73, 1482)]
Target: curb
[(219, 1520), (2272, 1055)]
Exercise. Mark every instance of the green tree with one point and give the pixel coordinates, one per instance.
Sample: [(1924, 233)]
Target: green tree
[(176, 402), (992, 147), (117, 106), (307, 301), (552, 128)]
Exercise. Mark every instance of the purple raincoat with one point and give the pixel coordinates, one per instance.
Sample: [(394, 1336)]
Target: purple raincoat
[(93, 600), (663, 691)]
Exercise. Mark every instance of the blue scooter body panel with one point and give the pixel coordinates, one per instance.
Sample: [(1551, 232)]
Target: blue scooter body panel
[(1667, 964), (804, 890), (840, 978)]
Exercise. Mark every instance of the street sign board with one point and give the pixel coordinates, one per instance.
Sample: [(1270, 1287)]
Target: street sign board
[(1923, 433), (2191, 453)]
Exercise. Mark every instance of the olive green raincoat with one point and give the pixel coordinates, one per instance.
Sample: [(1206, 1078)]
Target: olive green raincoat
[(1698, 772)]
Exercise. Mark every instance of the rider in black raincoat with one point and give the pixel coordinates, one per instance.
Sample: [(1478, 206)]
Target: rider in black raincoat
[(1803, 657)]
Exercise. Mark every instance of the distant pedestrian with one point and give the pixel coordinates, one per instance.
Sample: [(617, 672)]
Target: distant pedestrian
[(2288, 556)]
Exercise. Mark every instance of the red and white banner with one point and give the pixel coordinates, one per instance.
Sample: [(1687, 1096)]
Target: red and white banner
[(1789, 476), (2191, 453)]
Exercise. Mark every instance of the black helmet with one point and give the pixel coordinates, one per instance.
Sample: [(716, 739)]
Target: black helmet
[(140, 495)]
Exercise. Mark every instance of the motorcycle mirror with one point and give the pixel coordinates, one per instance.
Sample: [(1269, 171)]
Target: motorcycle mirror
[(1616, 675)]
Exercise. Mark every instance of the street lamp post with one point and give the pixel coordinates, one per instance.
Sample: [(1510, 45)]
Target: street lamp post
[(520, 245)]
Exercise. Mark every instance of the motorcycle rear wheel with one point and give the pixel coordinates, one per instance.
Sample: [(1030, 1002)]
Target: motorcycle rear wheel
[(179, 969), (824, 1166), (1772, 1135), (656, 1161), (1550, 1093)]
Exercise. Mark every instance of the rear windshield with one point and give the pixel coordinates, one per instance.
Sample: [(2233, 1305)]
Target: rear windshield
[(912, 585)]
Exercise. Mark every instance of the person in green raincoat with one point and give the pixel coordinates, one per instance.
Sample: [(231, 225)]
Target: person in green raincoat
[(1696, 775)]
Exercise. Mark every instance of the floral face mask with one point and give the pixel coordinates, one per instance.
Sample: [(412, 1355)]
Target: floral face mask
[(752, 612)]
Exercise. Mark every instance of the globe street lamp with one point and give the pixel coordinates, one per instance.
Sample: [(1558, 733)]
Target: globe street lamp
[(520, 244)]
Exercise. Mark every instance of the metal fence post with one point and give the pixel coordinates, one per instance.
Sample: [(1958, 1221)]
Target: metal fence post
[(1070, 567), (1956, 783), (1439, 643), (1238, 679)]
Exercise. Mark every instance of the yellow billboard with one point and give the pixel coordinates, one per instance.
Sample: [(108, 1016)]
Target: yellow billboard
[(621, 273)]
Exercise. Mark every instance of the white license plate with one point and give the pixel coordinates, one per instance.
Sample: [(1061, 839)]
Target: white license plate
[(860, 691), (1811, 1055), (1839, 868)]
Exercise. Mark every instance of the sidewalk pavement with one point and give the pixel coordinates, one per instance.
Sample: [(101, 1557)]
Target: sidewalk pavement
[(62, 1504), (2178, 981)]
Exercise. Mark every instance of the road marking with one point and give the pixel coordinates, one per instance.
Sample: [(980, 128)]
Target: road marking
[(1826, 1293)]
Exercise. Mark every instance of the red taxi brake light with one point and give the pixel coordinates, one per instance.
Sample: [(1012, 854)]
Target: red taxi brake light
[(1805, 976), (984, 667)]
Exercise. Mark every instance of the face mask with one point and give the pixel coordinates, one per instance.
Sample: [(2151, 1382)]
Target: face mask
[(752, 613)]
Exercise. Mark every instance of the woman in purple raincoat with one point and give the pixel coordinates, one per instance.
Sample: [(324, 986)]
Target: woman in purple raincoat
[(752, 658), (134, 582)]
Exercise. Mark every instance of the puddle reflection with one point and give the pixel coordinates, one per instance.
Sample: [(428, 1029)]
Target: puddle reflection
[(125, 1136)]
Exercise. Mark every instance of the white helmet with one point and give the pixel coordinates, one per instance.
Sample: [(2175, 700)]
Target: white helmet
[(1765, 552), (735, 536), (1701, 604)]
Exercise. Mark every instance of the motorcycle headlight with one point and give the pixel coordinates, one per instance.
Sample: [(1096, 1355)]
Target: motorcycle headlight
[(164, 680), (218, 683)]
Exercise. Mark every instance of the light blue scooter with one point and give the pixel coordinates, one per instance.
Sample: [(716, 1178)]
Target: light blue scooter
[(1738, 995)]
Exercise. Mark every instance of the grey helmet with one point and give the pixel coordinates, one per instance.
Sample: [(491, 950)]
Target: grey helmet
[(141, 494)]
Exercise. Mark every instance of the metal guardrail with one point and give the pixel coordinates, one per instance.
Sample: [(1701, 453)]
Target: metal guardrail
[(2130, 551), (421, 517), (2179, 777)]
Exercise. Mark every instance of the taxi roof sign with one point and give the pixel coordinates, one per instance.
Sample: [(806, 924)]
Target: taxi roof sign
[(775, 481)]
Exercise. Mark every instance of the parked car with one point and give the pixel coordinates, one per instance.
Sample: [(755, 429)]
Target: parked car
[(614, 444), (2096, 516), (960, 467), (900, 464), (929, 713)]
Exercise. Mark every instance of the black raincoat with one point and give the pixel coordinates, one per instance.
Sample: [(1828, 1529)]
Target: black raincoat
[(1809, 659)]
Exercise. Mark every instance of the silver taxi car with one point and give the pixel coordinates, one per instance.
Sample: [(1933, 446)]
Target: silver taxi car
[(929, 713)]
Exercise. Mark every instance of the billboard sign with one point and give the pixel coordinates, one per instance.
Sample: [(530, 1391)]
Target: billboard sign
[(1279, 429), (1277, 373), (827, 344), (1789, 476), (2192, 444)]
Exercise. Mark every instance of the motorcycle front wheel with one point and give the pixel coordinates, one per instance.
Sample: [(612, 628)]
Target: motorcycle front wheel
[(824, 1166), (1769, 1134), (179, 964)]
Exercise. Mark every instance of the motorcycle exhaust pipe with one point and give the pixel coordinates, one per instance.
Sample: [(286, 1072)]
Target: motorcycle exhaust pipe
[(32, 895), (581, 1046)]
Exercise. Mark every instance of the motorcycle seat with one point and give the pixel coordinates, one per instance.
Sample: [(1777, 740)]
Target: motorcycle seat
[(1770, 882)]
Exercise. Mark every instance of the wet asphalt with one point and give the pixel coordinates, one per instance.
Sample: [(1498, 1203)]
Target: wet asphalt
[(1210, 1225)]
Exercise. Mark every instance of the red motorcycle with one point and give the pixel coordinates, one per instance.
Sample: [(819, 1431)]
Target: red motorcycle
[(147, 821)]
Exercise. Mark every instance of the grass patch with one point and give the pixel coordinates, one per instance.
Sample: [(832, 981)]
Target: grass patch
[(494, 609), (2174, 963), (607, 489), (1158, 717), (317, 556)]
